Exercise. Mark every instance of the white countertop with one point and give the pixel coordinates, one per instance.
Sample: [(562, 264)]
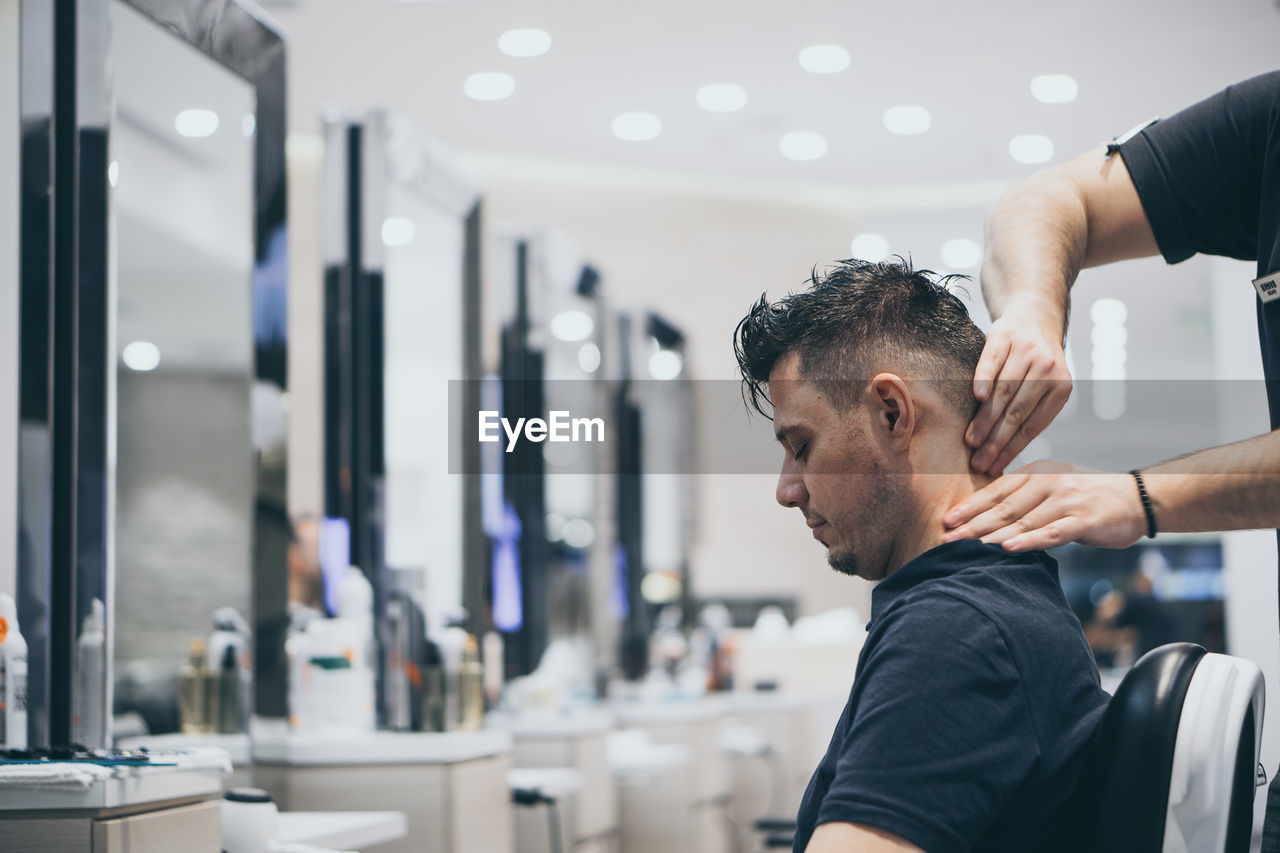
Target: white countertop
[(342, 830), (554, 782), (238, 746), (125, 786), (535, 725), (325, 748), (667, 713)]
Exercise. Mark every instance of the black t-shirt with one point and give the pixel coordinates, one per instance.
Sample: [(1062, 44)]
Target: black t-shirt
[(975, 699), (1209, 180)]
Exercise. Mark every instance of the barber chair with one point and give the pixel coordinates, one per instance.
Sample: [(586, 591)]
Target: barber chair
[(1173, 766)]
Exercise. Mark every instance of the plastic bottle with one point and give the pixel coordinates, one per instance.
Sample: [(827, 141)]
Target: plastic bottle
[(228, 662), (193, 692), (89, 725), (13, 677), (470, 687)]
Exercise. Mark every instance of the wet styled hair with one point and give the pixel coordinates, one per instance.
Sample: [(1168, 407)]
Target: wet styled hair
[(853, 319)]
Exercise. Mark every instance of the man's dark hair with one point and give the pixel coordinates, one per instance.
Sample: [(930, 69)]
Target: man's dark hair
[(852, 317)]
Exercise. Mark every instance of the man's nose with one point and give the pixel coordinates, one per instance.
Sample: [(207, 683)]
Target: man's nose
[(791, 491)]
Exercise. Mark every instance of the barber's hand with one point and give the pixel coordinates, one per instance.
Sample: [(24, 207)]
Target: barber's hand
[(1046, 504), (1022, 383)]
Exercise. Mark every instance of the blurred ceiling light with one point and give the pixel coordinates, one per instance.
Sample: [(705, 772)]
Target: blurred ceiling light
[(196, 123), (824, 58), (869, 247), (907, 119), (489, 86), (1031, 148), (961, 254), (1108, 311), (524, 43), (665, 364), (589, 358), (141, 356), (660, 587), (1054, 88), (572, 325), (397, 231), (637, 127), (578, 533), (248, 124), (803, 145), (113, 172), (722, 97)]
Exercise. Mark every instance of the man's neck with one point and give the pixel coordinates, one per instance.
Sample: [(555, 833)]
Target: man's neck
[(932, 495)]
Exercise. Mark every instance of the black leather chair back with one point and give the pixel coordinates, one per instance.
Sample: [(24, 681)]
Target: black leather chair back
[(1123, 792)]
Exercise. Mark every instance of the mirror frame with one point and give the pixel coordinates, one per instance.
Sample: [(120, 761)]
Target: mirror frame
[(67, 384)]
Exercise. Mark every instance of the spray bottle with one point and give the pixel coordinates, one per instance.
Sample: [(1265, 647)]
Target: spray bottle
[(13, 677), (89, 726)]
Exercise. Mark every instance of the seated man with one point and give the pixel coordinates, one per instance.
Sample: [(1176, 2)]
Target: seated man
[(976, 692)]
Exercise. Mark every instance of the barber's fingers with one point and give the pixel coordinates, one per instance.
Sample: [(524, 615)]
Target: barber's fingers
[(1046, 398), (1060, 531), (993, 507), (1002, 389), (990, 363)]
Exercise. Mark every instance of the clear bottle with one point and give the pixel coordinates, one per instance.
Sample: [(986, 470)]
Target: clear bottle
[(470, 687), (89, 724), (13, 677), (193, 692)]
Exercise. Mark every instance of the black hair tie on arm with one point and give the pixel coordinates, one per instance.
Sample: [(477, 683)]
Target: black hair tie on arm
[(1146, 503)]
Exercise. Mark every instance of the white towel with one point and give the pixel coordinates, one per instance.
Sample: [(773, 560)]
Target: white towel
[(60, 774)]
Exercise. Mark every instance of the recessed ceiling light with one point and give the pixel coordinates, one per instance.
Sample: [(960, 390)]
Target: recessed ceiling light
[(1054, 88), (196, 123), (489, 86), (907, 119), (869, 247), (141, 356), (397, 231), (589, 357), (637, 127), (803, 145), (1108, 311), (824, 58), (572, 325), (113, 172), (1031, 148), (524, 43), (722, 97), (961, 253), (665, 364)]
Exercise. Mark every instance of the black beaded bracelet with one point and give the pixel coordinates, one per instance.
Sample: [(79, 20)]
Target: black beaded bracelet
[(1146, 503)]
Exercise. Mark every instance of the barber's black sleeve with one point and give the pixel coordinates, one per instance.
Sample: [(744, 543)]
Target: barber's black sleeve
[(1200, 172), (940, 737)]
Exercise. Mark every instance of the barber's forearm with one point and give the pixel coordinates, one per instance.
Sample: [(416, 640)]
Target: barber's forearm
[(1232, 487), (1036, 238)]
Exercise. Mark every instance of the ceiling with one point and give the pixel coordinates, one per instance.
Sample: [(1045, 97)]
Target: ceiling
[(969, 65)]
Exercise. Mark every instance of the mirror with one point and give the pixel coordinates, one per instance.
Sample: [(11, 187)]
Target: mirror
[(10, 125), (183, 172), (401, 332)]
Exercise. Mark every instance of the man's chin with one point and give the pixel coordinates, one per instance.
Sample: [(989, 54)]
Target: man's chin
[(847, 564)]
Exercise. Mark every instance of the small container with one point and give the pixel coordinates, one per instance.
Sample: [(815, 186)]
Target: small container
[(249, 818), (193, 692), (470, 687)]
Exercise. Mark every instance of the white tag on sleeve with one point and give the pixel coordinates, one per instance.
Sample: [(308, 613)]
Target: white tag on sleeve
[(1268, 287)]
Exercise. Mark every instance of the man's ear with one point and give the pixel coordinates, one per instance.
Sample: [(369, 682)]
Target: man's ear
[(893, 410)]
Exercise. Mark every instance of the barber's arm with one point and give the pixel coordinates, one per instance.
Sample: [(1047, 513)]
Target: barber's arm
[(856, 838), (1039, 235), (1232, 487)]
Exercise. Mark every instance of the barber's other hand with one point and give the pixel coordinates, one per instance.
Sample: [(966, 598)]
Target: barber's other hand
[(1021, 382), (1046, 504)]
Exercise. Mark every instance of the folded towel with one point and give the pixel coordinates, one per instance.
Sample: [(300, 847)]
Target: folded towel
[(59, 774)]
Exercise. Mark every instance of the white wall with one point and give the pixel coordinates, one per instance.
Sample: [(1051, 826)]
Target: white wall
[(10, 129)]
